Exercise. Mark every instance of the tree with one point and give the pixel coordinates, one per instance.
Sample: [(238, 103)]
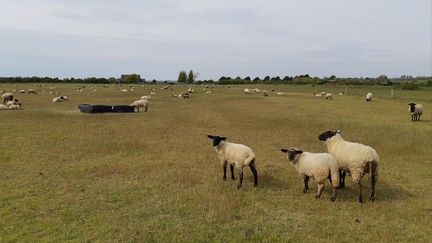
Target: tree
[(267, 78), (191, 77), (182, 78), (256, 79)]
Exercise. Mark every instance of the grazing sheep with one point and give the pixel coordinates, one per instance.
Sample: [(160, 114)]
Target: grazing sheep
[(369, 97), (54, 92), (234, 154), (353, 158), (246, 91), (140, 103), (2, 91), (320, 166), (279, 93), (318, 95), (323, 94), (184, 96), (22, 91), (3, 107), (416, 110), (165, 87), (60, 99), (341, 93), (257, 90), (7, 97), (265, 93), (31, 91), (209, 91), (190, 90), (124, 90), (329, 96), (152, 93)]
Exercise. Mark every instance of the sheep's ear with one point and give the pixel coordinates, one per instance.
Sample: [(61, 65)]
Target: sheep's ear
[(223, 138), (210, 136), (284, 150), (299, 151)]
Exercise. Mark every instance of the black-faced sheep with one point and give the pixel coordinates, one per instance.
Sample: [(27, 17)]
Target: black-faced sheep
[(319, 166), (415, 110), (353, 158), (7, 97), (234, 154)]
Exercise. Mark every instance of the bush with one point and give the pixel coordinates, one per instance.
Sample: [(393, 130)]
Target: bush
[(408, 86)]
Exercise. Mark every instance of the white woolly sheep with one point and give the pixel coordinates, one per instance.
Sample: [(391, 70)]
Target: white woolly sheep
[(353, 158), (15, 106), (209, 91), (237, 155), (279, 93), (140, 103), (257, 90), (320, 166), (3, 107), (184, 96), (318, 95), (329, 96), (31, 91), (369, 97), (190, 90), (12, 102), (341, 93), (246, 91), (265, 93), (7, 97), (146, 97), (61, 98), (152, 93), (416, 110)]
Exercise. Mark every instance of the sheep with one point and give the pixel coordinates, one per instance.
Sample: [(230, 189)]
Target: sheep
[(323, 94), (341, 93), (329, 96), (257, 90), (15, 106), (12, 102), (279, 93), (190, 90), (166, 87), (265, 93), (22, 91), (31, 91), (146, 97), (152, 93), (61, 98), (140, 103), (209, 91), (320, 166), (237, 155), (7, 97), (184, 96), (246, 91), (416, 110), (318, 95), (353, 158), (369, 97), (3, 107)]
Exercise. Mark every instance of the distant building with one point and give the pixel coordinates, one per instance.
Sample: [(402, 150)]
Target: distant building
[(131, 78)]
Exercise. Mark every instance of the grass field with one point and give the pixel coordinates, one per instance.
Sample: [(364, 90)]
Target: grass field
[(155, 177)]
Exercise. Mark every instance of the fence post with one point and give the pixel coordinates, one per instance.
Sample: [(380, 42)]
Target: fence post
[(346, 90), (392, 93)]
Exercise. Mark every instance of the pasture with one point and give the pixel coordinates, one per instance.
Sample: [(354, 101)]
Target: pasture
[(155, 177)]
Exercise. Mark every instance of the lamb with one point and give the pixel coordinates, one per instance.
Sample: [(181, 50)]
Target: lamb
[(369, 97), (146, 97), (353, 158), (61, 98), (320, 166), (416, 110), (237, 155), (246, 91), (140, 103), (12, 102), (329, 96), (7, 97)]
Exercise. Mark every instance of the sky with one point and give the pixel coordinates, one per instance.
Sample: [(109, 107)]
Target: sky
[(159, 38)]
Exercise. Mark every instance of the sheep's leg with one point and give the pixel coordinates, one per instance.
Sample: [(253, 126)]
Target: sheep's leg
[(145, 109), (373, 180), (255, 174), (360, 198), (320, 189), (240, 171), (305, 183), (224, 170), (333, 198), (232, 172), (342, 175)]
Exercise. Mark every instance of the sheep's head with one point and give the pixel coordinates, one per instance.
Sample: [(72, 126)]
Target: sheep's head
[(292, 153), (328, 134), (216, 139), (412, 106)]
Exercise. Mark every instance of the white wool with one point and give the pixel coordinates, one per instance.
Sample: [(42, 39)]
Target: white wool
[(418, 109), (369, 96), (279, 93), (12, 102), (246, 91), (15, 107), (318, 166), (140, 103), (146, 97), (3, 107), (351, 157), (329, 96), (235, 154)]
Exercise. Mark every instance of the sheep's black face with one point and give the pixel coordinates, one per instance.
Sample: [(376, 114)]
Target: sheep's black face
[(216, 139), (326, 135), (412, 106), (292, 153)]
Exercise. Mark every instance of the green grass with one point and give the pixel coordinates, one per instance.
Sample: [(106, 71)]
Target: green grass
[(69, 176)]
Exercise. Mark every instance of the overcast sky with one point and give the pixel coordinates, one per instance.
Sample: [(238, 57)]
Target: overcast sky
[(158, 38)]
